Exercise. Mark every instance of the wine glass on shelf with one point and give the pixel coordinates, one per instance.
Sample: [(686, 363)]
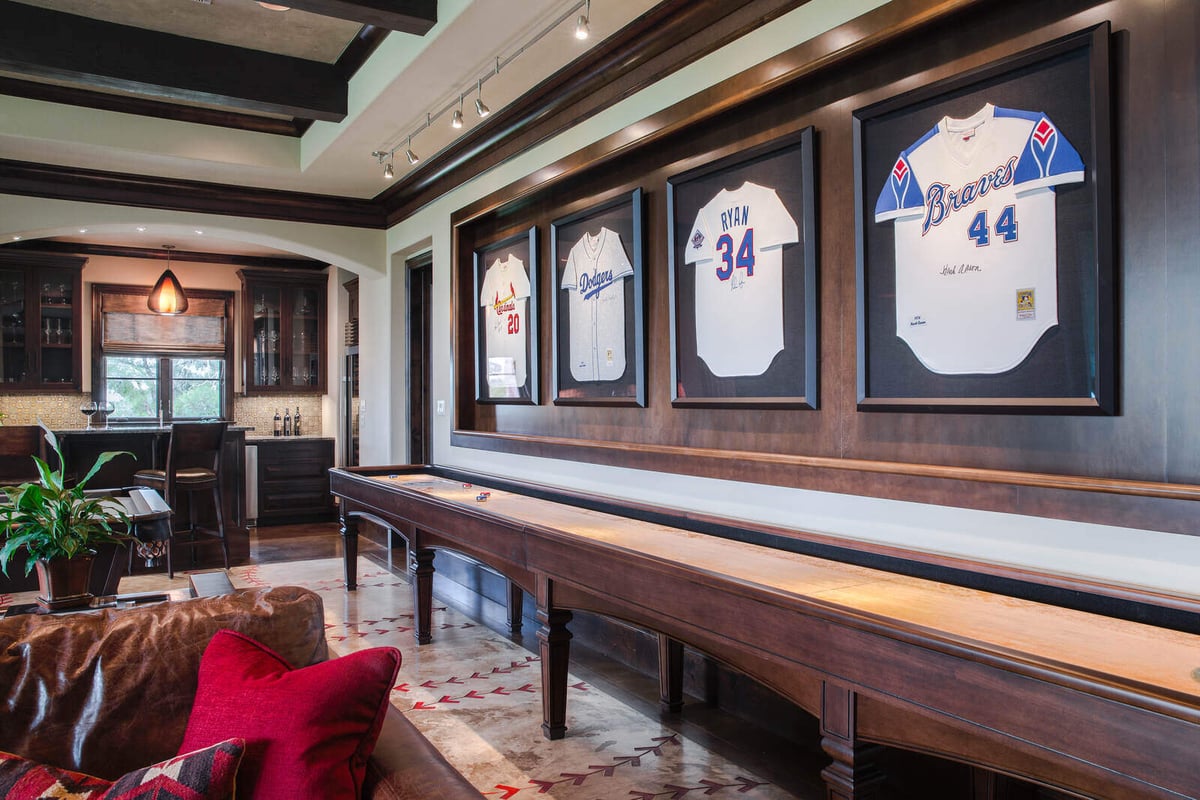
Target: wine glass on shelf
[(88, 409)]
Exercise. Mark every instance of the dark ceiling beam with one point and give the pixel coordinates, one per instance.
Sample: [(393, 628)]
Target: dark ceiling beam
[(148, 191), (158, 254), (405, 16), (39, 43)]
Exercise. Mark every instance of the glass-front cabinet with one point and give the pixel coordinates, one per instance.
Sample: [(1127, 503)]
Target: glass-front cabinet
[(285, 332), (40, 317)]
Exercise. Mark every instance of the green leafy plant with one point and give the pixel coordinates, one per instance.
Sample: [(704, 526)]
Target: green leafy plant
[(49, 520)]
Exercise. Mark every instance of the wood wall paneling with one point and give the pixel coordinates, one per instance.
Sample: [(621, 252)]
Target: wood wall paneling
[(1122, 470)]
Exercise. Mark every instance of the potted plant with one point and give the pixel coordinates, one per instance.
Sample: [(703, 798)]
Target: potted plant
[(59, 528)]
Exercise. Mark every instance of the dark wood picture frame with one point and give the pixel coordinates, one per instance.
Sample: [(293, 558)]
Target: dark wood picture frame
[(787, 378), (1061, 91), (612, 371), (491, 382)]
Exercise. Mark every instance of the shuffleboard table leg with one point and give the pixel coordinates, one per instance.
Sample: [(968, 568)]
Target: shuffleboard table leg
[(516, 599), (670, 674), (420, 567), (554, 642), (349, 531), (853, 775)]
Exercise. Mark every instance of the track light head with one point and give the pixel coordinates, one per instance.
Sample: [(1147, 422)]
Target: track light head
[(388, 172), (456, 121), (480, 108), (581, 27)]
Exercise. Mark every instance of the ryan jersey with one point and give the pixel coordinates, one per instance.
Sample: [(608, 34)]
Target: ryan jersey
[(594, 279), (737, 247), (504, 297), (976, 262)]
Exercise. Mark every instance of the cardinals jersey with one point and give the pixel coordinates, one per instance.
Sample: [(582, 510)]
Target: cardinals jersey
[(504, 297), (973, 202), (594, 279), (737, 247)]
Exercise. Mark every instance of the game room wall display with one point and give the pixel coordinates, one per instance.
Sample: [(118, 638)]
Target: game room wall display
[(506, 365), (984, 220), (743, 298), (599, 342)]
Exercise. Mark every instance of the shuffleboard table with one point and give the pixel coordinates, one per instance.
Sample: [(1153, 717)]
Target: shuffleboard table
[(1093, 705)]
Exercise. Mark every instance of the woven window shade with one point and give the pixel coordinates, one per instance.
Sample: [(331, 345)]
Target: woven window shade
[(128, 326)]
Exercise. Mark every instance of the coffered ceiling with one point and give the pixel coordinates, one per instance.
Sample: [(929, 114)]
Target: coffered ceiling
[(231, 93)]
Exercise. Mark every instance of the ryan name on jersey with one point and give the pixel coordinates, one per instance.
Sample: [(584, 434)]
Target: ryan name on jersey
[(735, 217)]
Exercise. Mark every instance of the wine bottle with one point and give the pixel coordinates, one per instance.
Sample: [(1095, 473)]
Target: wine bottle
[(296, 422), (278, 423), (287, 422)]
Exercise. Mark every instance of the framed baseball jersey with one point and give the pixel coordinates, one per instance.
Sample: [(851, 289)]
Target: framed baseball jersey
[(743, 278), (973, 205), (984, 219), (594, 278), (506, 319), (599, 353)]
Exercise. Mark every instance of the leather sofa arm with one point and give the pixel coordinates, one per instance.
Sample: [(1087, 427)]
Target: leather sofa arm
[(405, 766)]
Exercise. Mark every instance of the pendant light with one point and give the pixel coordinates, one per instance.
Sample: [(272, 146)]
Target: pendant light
[(167, 296)]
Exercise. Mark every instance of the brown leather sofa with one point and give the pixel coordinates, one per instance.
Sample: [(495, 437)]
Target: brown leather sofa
[(109, 692)]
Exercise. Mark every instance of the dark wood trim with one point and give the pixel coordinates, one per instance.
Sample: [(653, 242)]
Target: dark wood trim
[(115, 251), (358, 51), (37, 42), (141, 106), (831, 48), (148, 191), (406, 16), (660, 42)]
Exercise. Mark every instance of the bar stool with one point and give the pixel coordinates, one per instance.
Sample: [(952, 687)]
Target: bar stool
[(18, 445), (193, 466)]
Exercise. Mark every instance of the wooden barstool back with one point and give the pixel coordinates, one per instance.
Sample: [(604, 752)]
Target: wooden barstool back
[(18, 445), (193, 466)]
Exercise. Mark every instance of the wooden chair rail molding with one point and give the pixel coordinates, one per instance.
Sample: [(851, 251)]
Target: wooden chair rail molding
[(1101, 707)]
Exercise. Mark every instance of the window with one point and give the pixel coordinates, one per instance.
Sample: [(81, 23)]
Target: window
[(183, 387), (169, 367)]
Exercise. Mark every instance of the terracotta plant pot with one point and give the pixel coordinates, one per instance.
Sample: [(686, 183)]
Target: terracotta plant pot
[(63, 582)]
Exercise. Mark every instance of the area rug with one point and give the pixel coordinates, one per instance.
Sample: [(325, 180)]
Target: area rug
[(476, 696)]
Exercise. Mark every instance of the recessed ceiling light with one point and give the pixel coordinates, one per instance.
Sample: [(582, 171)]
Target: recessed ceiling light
[(83, 230), (141, 228), (198, 233), (16, 238)]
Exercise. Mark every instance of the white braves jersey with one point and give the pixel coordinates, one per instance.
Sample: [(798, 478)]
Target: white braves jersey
[(505, 295), (976, 258), (594, 279), (737, 247)]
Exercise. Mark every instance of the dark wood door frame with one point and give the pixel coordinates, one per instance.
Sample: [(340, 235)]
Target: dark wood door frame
[(419, 291)]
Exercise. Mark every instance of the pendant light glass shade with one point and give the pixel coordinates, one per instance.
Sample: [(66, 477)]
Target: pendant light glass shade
[(167, 296)]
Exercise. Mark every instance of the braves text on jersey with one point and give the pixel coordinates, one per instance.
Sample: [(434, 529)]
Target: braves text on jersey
[(976, 262), (594, 278), (737, 247), (504, 298)]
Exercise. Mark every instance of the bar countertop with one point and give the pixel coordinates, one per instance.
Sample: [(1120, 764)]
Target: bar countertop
[(131, 429)]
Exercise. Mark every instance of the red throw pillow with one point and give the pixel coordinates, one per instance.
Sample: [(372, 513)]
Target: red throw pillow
[(308, 731), (208, 774)]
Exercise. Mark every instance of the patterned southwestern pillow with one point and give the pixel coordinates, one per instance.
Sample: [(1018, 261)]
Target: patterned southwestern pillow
[(208, 774), (308, 731)]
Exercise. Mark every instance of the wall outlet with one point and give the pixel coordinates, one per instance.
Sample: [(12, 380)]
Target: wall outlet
[(441, 408)]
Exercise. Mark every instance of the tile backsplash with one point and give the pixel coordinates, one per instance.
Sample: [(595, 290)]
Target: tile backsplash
[(259, 412), (61, 411)]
